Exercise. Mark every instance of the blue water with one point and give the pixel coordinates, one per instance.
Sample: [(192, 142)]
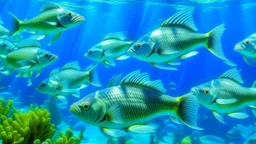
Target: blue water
[(138, 18)]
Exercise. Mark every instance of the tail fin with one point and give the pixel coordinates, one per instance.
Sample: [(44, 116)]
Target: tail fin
[(188, 110), (15, 24), (93, 76), (214, 43)]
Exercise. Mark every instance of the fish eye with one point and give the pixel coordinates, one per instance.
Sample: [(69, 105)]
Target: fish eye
[(4, 45), (90, 52), (69, 14), (138, 46), (43, 84), (247, 41), (46, 55), (206, 91), (86, 105)]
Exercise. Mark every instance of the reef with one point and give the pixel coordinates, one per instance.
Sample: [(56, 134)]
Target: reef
[(24, 128), (67, 138)]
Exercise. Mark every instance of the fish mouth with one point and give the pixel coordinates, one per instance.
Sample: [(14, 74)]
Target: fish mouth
[(239, 47), (132, 52), (78, 19), (74, 109), (54, 58)]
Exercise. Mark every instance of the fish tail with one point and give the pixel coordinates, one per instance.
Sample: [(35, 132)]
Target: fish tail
[(214, 43), (188, 110), (15, 24), (93, 76)]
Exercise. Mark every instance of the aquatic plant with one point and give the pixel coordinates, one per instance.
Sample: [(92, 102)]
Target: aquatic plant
[(67, 138), (5, 108), (24, 128)]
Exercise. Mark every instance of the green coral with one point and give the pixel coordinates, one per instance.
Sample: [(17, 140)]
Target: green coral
[(24, 128), (67, 138)]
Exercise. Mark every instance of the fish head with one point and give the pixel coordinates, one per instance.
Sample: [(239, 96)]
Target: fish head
[(90, 109), (95, 53), (6, 47), (3, 31), (143, 48), (45, 58), (205, 93), (247, 46), (69, 19), (48, 86)]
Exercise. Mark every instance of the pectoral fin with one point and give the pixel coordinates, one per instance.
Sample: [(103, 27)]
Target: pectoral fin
[(142, 129), (38, 72), (29, 82), (113, 132), (62, 98), (55, 38), (238, 115), (218, 117), (226, 101), (189, 55), (250, 61), (164, 66), (115, 114), (26, 64), (108, 63), (76, 94), (38, 37), (123, 57)]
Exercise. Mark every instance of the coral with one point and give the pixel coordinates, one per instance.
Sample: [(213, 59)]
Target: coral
[(24, 128), (6, 109), (67, 138)]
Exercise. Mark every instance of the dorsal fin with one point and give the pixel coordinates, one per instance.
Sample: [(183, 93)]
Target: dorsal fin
[(48, 6), (233, 74), (115, 80), (116, 35), (183, 18), (71, 65), (55, 71), (28, 43), (138, 79)]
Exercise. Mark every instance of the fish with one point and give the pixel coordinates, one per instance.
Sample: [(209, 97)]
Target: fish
[(113, 47), (6, 47), (251, 139), (68, 80), (211, 139), (226, 95), (51, 20), (128, 103), (239, 130), (4, 32), (247, 48), (177, 39), (8, 95), (27, 58)]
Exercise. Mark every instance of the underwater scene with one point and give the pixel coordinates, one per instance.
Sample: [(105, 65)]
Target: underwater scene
[(127, 72)]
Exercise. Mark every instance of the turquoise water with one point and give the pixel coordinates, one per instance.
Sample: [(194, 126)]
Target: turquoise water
[(136, 18)]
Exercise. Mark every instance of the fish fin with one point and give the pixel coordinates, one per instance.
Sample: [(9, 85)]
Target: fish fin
[(115, 114), (55, 38), (189, 54), (28, 74), (116, 35), (138, 79), (234, 75), (111, 63), (15, 24), (38, 37), (20, 74), (71, 65), (211, 139), (25, 64), (62, 98), (76, 94), (226, 101), (54, 80), (7, 72), (254, 84), (29, 82), (218, 117), (28, 43), (174, 63), (55, 71), (163, 66), (142, 129), (238, 115), (48, 6), (113, 132), (250, 61), (175, 120), (93, 76), (183, 18), (214, 43), (38, 73), (123, 57), (115, 80), (187, 110), (3, 56), (53, 23), (254, 112)]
